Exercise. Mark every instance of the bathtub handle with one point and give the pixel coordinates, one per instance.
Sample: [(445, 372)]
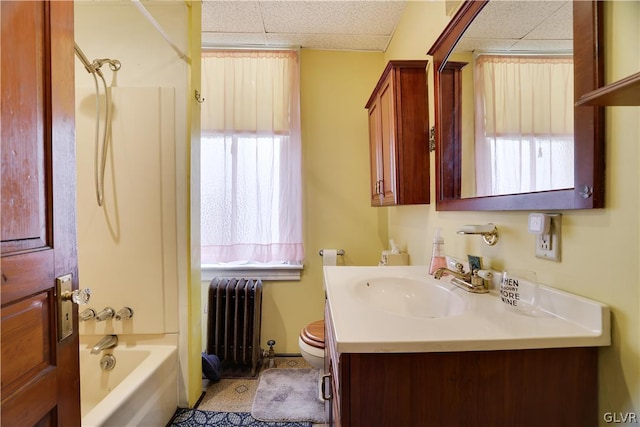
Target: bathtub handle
[(324, 396), (124, 313)]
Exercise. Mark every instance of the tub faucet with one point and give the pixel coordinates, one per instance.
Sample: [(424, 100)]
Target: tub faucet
[(109, 341)]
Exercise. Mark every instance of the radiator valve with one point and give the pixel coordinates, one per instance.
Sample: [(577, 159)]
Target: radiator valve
[(272, 362)]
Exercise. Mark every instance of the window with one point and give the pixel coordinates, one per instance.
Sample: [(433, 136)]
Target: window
[(251, 203), (524, 120)]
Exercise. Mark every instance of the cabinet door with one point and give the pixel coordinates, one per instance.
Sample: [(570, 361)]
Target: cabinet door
[(375, 153), (398, 135), (388, 141)]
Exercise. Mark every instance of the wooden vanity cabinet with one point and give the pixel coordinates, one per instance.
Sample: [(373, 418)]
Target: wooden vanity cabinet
[(534, 387), (398, 135)]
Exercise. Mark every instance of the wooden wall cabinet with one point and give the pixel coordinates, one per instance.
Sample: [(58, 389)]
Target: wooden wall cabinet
[(624, 92), (527, 388), (398, 135)]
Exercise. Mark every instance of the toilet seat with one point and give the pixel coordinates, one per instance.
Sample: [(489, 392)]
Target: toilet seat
[(313, 334)]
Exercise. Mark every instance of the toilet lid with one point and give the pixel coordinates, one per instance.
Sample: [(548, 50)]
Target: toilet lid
[(313, 334)]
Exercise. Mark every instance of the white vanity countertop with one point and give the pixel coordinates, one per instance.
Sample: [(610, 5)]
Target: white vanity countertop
[(486, 323)]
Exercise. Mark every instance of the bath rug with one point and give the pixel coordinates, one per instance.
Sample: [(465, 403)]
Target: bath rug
[(195, 418), (230, 395), (237, 394), (289, 395)]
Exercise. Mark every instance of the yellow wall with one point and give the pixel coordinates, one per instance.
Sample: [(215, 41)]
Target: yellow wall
[(334, 87), (600, 248)]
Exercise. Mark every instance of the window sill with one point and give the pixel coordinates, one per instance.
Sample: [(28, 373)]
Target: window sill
[(280, 272)]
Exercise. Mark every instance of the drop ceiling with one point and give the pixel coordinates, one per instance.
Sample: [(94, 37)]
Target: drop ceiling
[(368, 25), (521, 26), (319, 24)]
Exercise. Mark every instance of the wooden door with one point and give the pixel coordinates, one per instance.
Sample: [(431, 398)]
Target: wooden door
[(39, 365)]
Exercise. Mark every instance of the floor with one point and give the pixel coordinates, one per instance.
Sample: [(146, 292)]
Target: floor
[(237, 394)]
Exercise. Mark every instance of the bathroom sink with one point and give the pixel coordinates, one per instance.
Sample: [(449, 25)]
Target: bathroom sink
[(409, 297)]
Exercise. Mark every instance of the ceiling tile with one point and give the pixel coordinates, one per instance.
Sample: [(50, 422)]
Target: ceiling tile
[(511, 19), (469, 44), (331, 17), (331, 41), (558, 26), (234, 39), (544, 45), (231, 17)]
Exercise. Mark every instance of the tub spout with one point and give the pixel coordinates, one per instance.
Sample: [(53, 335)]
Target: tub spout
[(108, 341)]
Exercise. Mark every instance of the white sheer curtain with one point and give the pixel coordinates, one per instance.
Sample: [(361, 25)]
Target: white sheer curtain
[(251, 199), (524, 123)]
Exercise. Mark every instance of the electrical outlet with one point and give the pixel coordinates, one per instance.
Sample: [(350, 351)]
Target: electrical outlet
[(548, 245)]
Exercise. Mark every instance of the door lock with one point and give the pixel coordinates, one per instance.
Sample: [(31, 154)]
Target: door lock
[(66, 298)]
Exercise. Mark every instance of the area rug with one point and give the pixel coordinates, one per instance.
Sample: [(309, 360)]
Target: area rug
[(196, 418), (289, 395)]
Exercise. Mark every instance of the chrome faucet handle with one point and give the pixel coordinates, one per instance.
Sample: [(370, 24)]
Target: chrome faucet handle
[(87, 314), (106, 313), (124, 313)]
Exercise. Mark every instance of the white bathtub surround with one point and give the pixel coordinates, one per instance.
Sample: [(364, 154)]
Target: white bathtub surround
[(142, 388), (125, 247), (485, 323)]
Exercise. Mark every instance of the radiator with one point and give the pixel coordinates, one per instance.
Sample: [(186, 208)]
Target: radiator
[(233, 324)]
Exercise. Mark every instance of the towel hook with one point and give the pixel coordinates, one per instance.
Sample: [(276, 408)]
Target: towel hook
[(199, 97)]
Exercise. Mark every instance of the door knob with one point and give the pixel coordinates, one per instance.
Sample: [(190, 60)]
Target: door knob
[(66, 298), (79, 296)]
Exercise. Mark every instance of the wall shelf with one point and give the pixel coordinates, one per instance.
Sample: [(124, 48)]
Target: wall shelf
[(624, 92)]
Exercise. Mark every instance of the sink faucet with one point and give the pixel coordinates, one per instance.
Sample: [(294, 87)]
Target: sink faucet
[(460, 274), (470, 282), (108, 341)]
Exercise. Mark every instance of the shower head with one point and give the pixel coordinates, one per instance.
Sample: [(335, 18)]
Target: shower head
[(94, 67), (114, 64), (83, 58)]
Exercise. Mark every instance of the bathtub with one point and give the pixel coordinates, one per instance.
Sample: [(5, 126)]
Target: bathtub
[(141, 390)]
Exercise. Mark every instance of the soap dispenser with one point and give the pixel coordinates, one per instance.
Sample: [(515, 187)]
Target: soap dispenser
[(437, 253)]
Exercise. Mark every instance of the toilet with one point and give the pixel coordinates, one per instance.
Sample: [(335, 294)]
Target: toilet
[(311, 343)]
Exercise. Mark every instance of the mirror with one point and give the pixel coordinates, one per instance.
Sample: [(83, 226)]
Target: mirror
[(461, 177)]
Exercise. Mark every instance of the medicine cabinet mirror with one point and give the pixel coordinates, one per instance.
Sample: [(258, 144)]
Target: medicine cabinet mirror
[(461, 178)]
